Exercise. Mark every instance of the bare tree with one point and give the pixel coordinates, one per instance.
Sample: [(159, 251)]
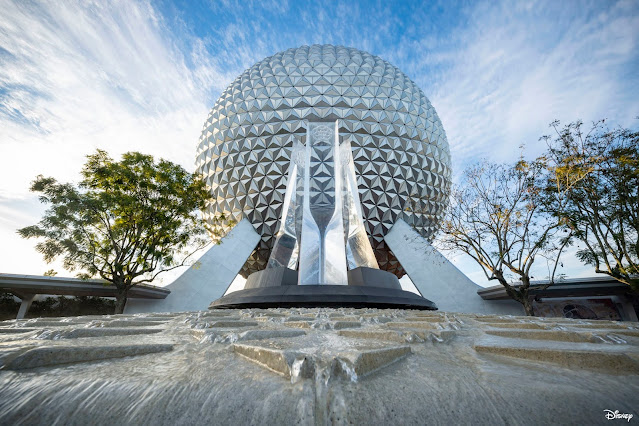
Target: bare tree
[(497, 217)]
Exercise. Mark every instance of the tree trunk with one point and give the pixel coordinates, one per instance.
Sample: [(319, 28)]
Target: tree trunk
[(525, 300), (528, 307), (120, 301)]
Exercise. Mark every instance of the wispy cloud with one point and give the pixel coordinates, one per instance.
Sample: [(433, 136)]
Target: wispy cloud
[(78, 76), (518, 66), (136, 75)]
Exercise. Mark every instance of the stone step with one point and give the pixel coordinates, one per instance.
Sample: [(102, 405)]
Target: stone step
[(598, 325), (217, 314), (15, 330), (60, 355), (365, 362), (295, 318), (44, 323), (520, 325), (429, 315), (495, 319), (369, 315), (295, 365), (217, 336), (413, 324), (591, 336), (339, 325), (426, 318), (94, 332), (566, 336), (269, 334), (378, 320), (633, 333), (299, 324), (387, 335), (155, 319), (131, 323), (276, 360), (270, 315), (617, 359), (233, 324), (413, 336), (211, 320), (343, 318)]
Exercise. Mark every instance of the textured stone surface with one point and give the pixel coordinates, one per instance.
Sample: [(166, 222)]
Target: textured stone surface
[(56, 355), (208, 278), (399, 146), (437, 279), (316, 366)]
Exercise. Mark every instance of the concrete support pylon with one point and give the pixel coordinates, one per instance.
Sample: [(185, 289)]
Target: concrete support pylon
[(438, 279), (27, 299), (208, 279)]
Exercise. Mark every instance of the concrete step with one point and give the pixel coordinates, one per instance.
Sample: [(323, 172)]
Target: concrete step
[(296, 364), (618, 359), (76, 333), (59, 355)]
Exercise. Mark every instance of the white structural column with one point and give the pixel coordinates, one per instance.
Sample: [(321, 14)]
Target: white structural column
[(27, 299), (439, 280), (208, 279)]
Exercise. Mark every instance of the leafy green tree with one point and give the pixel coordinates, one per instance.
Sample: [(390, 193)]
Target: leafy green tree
[(496, 217), (595, 175), (127, 221)]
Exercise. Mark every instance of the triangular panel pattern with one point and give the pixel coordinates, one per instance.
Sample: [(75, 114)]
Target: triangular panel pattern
[(400, 151)]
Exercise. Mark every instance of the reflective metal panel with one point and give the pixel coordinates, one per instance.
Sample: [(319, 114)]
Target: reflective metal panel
[(286, 248), (322, 250), (400, 152), (327, 234), (358, 249)]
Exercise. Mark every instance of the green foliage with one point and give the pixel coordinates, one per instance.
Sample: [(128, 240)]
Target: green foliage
[(125, 222), (50, 273), (8, 306), (57, 306), (595, 182)]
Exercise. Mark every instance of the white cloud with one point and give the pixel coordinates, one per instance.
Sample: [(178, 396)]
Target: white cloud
[(517, 67), (76, 77), (122, 76)]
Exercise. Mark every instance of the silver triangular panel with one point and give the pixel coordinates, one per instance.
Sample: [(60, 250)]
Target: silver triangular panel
[(389, 123)]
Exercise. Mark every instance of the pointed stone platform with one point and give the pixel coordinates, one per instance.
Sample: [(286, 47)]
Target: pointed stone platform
[(316, 366)]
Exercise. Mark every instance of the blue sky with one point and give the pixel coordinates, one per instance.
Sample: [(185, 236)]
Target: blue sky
[(139, 75)]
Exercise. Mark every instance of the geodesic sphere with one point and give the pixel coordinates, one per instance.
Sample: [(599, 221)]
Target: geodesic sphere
[(399, 146)]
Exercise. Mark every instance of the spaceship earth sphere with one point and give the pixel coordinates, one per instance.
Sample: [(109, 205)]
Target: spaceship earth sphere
[(399, 146)]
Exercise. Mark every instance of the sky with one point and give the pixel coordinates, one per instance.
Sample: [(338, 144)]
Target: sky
[(142, 75)]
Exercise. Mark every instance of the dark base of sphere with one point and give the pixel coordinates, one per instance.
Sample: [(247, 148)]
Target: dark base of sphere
[(367, 287), (329, 296)]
